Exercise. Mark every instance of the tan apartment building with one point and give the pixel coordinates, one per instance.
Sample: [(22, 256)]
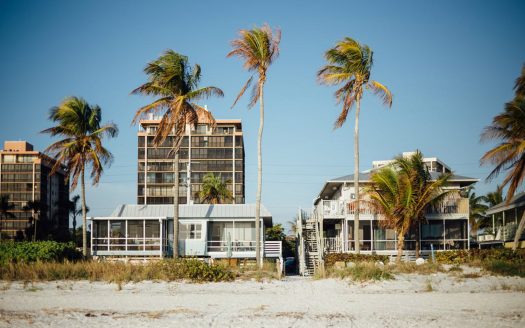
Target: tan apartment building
[(203, 150), (25, 175)]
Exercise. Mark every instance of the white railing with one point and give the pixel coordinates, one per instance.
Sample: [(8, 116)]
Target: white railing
[(234, 246), (273, 248), (333, 245)]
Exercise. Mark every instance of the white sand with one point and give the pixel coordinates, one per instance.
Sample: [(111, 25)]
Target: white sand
[(294, 302)]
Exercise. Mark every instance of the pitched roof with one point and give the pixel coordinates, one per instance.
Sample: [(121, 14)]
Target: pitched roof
[(516, 201), (191, 211)]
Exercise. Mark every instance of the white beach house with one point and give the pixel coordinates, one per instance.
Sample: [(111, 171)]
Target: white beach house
[(213, 231), (329, 227)]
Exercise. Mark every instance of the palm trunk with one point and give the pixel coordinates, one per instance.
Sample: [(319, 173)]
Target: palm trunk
[(259, 180), (75, 228), (34, 228), (84, 218), (176, 207), (400, 245), (356, 176), (519, 231), (418, 239)]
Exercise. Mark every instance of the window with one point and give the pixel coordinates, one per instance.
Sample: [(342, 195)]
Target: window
[(190, 231)]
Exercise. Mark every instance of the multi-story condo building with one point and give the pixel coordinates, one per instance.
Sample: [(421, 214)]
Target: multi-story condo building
[(330, 226), (25, 175), (203, 150)]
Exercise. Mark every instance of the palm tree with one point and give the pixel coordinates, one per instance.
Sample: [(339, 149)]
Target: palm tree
[(5, 211), (79, 124), (36, 208), (509, 155), (258, 48), (391, 195), (350, 64), (176, 84), (477, 210), (214, 190), (74, 211), (426, 192)]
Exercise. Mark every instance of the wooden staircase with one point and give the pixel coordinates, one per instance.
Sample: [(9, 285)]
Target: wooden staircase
[(311, 249)]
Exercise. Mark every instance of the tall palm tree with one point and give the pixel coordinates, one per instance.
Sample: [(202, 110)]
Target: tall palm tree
[(509, 155), (176, 86), (36, 208), (81, 149), (349, 64), (258, 48), (426, 191), (75, 211), (5, 211), (214, 190)]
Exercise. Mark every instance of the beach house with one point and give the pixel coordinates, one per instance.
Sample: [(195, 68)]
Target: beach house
[(329, 227), (206, 231)]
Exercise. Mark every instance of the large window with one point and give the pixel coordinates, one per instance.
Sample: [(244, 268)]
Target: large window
[(190, 231)]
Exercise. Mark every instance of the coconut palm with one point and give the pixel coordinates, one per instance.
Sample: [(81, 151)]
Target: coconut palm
[(81, 149), (36, 208), (75, 211), (349, 64), (5, 211), (477, 210), (509, 155), (176, 86), (426, 191), (391, 194), (214, 190), (494, 198), (258, 48)]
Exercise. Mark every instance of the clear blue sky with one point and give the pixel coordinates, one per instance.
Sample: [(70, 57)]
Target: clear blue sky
[(450, 64)]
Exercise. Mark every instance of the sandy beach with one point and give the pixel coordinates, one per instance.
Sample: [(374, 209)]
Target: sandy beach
[(412, 300)]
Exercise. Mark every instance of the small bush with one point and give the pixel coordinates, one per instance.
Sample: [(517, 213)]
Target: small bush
[(330, 259), (362, 272), (44, 251), (505, 268), (475, 255)]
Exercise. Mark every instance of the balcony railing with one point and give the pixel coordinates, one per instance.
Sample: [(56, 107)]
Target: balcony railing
[(271, 248), (339, 208)]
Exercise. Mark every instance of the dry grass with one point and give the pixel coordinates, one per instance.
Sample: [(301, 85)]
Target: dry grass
[(362, 272), (408, 267), (167, 270)]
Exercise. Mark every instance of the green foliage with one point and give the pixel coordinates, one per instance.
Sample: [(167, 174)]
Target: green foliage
[(330, 259), (275, 233), (505, 268), (37, 251), (364, 271), (479, 255), (167, 270)]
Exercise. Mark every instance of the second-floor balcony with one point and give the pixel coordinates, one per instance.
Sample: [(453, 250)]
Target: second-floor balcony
[(341, 208)]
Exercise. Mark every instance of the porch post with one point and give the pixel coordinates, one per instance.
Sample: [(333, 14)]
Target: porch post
[(161, 235)]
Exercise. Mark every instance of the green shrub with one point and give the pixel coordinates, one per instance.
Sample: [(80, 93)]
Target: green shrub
[(479, 255), (505, 267), (37, 251), (363, 271), (330, 259)]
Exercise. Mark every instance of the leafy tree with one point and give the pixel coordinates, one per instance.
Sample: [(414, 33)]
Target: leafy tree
[(509, 156), (214, 190), (5, 211), (79, 124), (276, 232), (258, 48), (349, 64), (176, 86)]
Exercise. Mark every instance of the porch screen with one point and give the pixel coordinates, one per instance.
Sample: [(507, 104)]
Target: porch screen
[(220, 230), (244, 231)]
